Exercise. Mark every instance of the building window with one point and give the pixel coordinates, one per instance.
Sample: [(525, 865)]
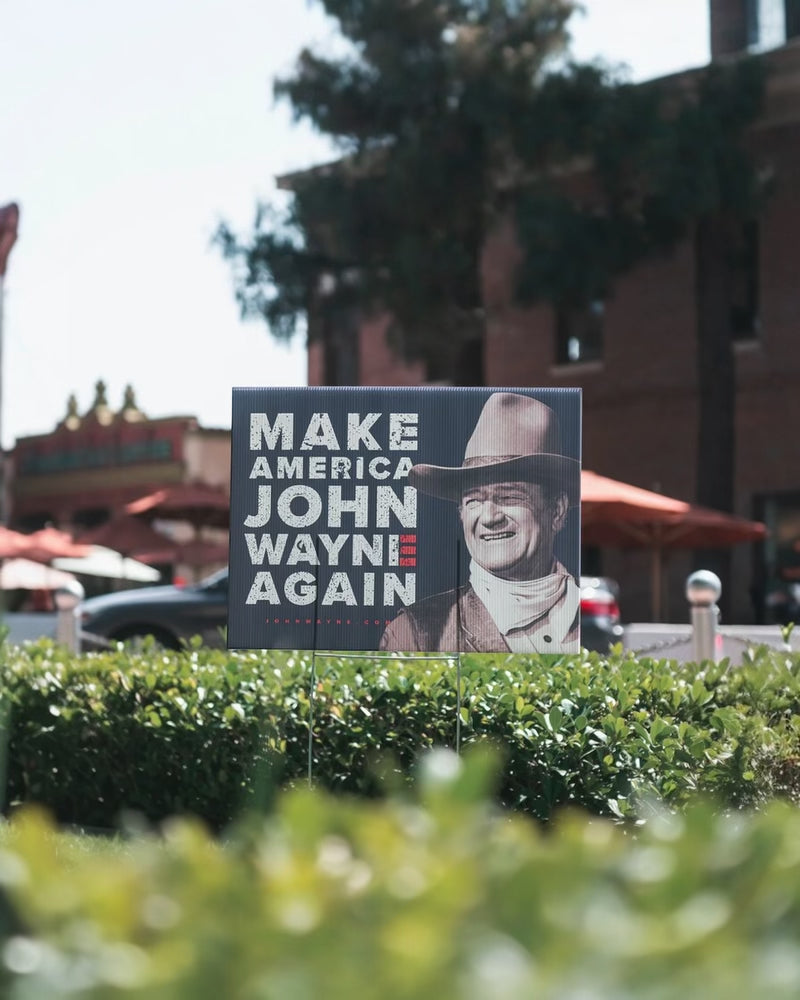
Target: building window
[(752, 15), (792, 16), (771, 23), (340, 329), (591, 561), (778, 591), (745, 283), (579, 333)]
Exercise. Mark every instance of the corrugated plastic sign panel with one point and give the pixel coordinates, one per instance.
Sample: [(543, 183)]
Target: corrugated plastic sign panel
[(430, 519)]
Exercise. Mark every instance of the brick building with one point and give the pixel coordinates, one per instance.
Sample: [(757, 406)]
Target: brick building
[(84, 471), (634, 355)]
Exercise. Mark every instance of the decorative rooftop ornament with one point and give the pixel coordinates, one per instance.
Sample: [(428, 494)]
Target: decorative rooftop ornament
[(100, 410), (130, 412), (72, 421)]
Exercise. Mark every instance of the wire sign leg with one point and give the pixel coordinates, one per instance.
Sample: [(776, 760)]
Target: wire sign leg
[(458, 702), (311, 695)]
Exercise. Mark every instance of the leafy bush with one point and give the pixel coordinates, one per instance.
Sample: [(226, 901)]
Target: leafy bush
[(435, 897), (210, 733)]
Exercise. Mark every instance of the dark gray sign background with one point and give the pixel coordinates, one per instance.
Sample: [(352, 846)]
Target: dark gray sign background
[(446, 419)]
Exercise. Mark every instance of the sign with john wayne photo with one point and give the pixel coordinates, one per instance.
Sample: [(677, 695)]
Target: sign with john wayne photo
[(431, 519)]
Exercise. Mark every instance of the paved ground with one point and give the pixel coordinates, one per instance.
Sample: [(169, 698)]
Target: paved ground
[(26, 626), (674, 642), (654, 639)]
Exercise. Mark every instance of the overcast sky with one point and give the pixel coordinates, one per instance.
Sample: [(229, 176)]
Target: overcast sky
[(127, 132)]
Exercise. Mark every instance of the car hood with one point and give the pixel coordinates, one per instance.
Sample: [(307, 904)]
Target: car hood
[(145, 595)]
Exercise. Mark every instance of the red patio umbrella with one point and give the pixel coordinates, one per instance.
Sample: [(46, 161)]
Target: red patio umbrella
[(50, 543), (25, 574), (11, 542), (200, 505), (134, 538), (202, 552), (619, 515)]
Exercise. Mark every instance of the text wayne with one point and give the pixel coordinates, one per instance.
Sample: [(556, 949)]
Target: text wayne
[(376, 505)]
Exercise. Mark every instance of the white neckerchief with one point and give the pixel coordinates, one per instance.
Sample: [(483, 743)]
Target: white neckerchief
[(515, 604)]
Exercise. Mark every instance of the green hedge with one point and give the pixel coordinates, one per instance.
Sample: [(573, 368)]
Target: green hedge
[(210, 733), (437, 898)]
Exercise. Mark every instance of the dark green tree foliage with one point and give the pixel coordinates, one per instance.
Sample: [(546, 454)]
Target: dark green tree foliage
[(653, 159), (422, 108), (452, 116)]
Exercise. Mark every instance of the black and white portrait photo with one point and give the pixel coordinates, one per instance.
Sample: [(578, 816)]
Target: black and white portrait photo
[(513, 490), (433, 519)]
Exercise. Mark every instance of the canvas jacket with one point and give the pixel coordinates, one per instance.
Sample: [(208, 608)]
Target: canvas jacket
[(452, 622)]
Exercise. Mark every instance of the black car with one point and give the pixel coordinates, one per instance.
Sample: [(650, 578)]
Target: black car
[(170, 614), (600, 617), (174, 614)]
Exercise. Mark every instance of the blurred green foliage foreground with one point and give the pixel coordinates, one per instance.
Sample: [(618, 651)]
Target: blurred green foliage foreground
[(440, 895), (614, 828)]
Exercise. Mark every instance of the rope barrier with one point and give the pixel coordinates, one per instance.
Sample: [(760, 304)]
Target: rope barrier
[(685, 640), (681, 640)]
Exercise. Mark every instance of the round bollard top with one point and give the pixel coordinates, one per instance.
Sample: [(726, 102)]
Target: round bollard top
[(69, 596), (703, 588)]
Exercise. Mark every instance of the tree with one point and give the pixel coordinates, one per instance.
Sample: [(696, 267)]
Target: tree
[(421, 109), (453, 114)]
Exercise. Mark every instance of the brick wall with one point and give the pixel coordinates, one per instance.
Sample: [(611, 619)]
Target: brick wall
[(640, 405), (728, 26), (377, 363), (316, 364)]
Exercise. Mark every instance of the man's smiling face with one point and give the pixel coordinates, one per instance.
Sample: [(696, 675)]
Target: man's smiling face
[(510, 527)]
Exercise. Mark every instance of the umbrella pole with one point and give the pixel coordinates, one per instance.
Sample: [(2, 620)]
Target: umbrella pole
[(656, 583)]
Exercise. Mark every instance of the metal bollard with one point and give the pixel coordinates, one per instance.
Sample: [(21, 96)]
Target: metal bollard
[(67, 600), (702, 592)]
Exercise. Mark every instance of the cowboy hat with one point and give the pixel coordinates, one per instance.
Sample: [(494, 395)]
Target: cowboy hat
[(516, 437)]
